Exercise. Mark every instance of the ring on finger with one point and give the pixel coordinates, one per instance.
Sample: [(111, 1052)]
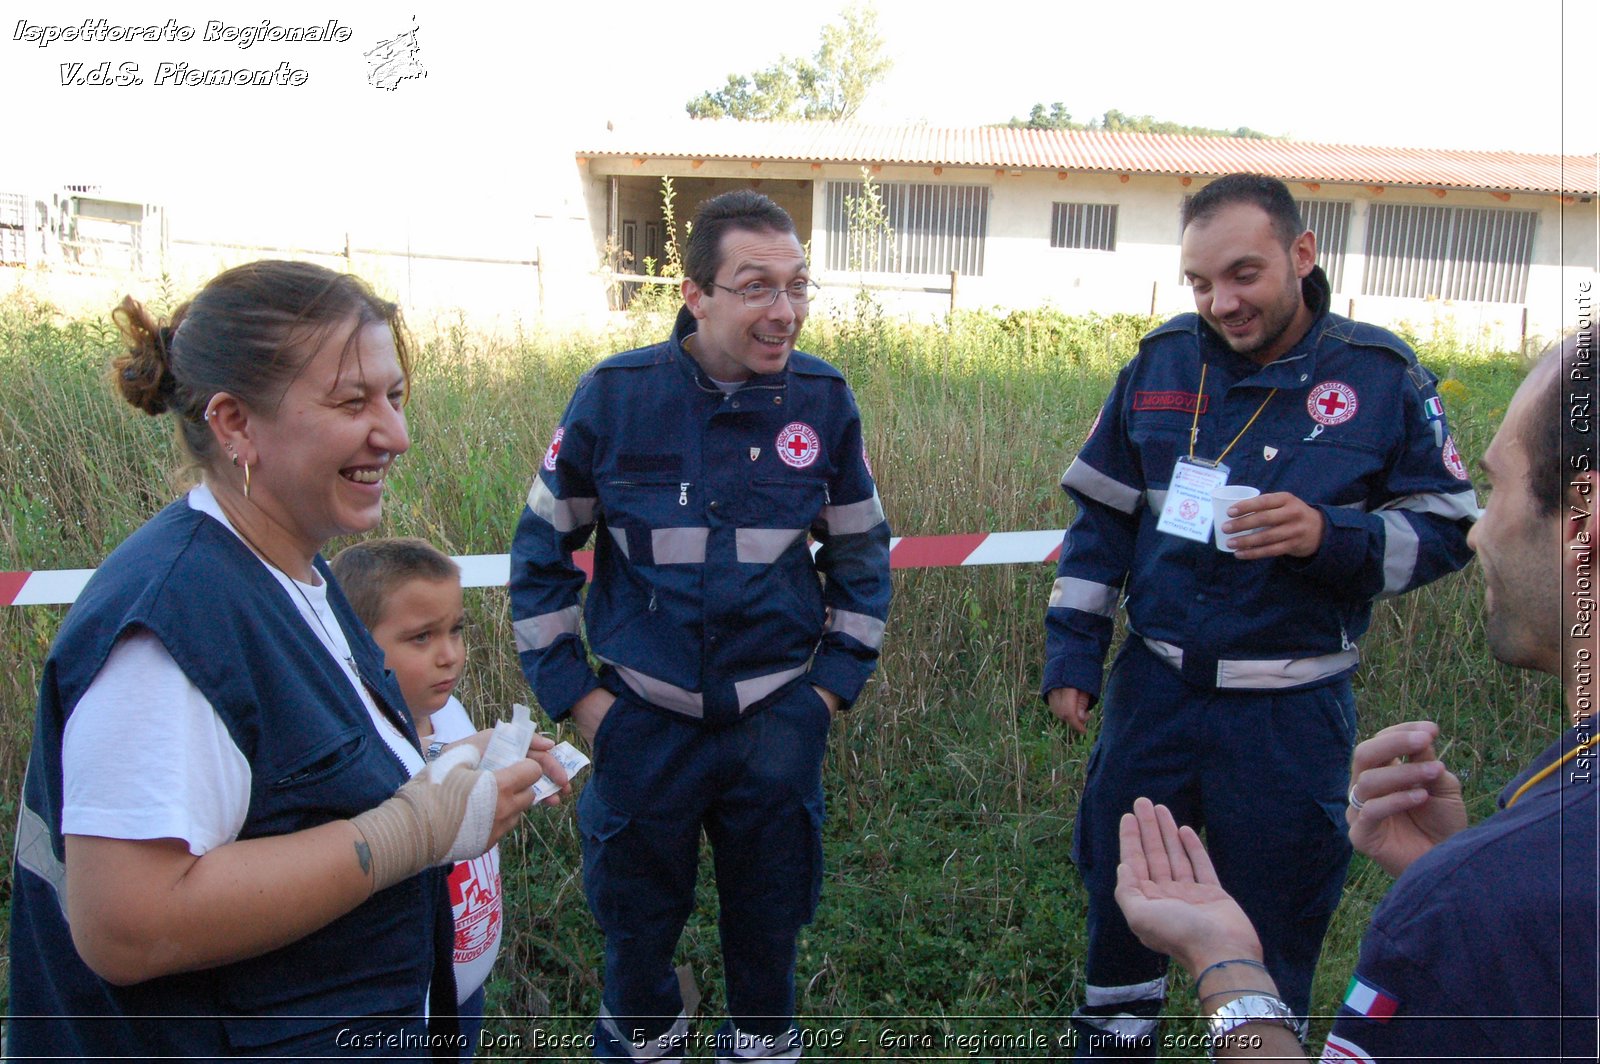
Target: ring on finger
[(1355, 803)]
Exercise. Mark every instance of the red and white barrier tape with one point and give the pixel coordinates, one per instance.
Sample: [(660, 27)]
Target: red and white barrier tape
[(52, 587)]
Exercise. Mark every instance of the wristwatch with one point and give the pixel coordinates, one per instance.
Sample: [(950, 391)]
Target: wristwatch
[(1251, 1008)]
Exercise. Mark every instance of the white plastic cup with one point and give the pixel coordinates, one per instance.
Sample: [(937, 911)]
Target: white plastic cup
[(1221, 499)]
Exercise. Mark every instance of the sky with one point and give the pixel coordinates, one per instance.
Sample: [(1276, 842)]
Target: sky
[(511, 87)]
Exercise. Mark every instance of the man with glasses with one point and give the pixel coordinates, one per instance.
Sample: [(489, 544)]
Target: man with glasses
[(704, 462)]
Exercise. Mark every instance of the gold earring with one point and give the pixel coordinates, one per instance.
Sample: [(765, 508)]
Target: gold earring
[(247, 480)]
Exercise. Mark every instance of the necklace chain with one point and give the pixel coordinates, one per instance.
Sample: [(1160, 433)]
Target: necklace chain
[(333, 644)]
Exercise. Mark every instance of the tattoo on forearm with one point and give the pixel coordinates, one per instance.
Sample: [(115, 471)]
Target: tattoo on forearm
[(364, 855)]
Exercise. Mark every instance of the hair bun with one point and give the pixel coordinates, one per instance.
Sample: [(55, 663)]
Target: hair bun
[(144, 373)]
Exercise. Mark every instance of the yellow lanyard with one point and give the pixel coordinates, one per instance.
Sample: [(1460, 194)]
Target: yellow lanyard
[(1548, 769), (1194, 427)]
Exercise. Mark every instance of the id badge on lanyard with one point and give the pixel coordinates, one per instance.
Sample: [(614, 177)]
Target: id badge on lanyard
[(1187, 511)]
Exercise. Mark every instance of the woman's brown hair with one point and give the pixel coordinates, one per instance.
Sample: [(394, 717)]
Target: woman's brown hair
[(248, 332)]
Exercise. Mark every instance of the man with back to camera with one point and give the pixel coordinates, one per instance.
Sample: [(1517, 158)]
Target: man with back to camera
[(1485, 947), (1234, 656), (704, 462)]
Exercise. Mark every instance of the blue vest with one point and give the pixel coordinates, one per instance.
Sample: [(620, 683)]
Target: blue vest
[(314, 757)]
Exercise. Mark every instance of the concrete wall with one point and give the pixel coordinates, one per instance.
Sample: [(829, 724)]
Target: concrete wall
[(1021, 269), (561, 211)]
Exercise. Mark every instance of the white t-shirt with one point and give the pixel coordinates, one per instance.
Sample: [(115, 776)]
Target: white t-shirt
[(144, 754), (475, 897)]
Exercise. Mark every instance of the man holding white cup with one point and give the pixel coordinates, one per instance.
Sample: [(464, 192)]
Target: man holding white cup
[(1235, 661), (1222, 501)]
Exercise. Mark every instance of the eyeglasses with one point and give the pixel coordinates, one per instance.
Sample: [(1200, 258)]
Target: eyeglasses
[(762, 295)]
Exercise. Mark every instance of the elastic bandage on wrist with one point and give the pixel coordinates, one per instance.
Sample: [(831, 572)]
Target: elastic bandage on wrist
[(429, 821)]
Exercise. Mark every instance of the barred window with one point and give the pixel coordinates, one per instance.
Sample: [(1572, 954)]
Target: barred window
[(1330, 221), (932, 229), (1470, 253), (1092, 226)]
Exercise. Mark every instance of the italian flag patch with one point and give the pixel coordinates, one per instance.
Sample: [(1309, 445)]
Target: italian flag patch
[(1434, 406), (1367, 1000)]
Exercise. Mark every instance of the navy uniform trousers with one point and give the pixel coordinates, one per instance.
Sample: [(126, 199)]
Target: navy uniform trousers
[(755, 788), (1263, 772)]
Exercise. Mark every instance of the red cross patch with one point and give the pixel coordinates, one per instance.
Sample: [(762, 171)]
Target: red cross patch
[(1331, 403), (554, 449), (1452, 459), (798, 444)]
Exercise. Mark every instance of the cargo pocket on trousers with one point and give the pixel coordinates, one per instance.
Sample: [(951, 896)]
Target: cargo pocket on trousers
[(600, 825)]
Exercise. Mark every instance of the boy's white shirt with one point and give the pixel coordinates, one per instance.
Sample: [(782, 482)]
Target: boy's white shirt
[(144, 754), (475, 892)]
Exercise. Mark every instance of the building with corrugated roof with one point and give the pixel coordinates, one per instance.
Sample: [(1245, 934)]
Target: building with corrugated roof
[(1491, 244)]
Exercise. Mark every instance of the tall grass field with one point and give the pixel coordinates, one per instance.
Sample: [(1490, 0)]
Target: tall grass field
[(952, 920)]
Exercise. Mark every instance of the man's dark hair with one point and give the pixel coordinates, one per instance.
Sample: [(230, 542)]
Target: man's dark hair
[(1268, 193), (743, 208), (1556, 447)]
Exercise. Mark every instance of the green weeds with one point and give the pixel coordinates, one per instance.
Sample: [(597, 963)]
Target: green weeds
[(950, 894)]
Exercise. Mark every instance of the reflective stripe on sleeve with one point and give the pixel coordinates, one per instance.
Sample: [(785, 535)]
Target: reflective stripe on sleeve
[(1086, 479), (1071, 593), (763, 546), (868, 631), (536, 633), (678, 546), (1461, 506), (620, 538), (1400, 546), (564, 514), (853, 518), (36, 855)]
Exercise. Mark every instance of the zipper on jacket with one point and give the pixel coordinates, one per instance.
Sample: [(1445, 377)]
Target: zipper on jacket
[(683, 493)]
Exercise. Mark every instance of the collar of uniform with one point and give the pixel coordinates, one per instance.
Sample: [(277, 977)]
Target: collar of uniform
[(1317, 293), (684, 328), (1570, 739)]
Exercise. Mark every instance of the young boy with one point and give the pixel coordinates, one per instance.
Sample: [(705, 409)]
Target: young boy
[(408, 594)]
